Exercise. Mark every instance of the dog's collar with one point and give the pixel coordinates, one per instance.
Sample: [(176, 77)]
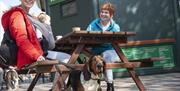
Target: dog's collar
[(92, 76)]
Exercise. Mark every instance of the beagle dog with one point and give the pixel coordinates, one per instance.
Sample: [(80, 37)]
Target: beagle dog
[(89, 78), (11, 78)]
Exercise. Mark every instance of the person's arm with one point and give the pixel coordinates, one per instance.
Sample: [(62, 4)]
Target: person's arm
[(117, 28), (92, 25), (89, 28), (19, 32)]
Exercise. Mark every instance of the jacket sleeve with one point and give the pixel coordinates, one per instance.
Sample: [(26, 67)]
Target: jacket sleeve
[(116, 28), (19, 33), (89, 28)]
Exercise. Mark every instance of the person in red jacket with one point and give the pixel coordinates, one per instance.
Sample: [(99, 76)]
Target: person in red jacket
[(23, 32)]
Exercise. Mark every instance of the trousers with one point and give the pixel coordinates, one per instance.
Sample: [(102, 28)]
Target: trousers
[(110, 56)]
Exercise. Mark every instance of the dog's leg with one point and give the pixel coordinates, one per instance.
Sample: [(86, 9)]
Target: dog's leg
[(99, 83), (81, 88), (74, 81)]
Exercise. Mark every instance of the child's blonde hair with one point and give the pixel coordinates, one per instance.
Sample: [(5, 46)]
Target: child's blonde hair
[(44, 18), (110, 7)]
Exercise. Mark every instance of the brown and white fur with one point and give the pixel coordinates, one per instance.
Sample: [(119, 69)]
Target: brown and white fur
[(87, 79), (11, 79)]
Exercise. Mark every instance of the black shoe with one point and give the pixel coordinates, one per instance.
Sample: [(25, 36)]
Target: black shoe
[(110, 87)]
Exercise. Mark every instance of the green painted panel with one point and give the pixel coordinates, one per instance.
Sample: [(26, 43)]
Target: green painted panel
[(165, 51), (140, 52)]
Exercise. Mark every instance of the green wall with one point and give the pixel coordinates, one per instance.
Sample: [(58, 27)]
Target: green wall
[(62, 25), (151, 19)]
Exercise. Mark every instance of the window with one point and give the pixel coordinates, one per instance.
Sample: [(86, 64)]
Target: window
[(69, 8)]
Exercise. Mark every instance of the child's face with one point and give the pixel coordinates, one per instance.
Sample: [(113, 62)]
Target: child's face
[(105, 15)]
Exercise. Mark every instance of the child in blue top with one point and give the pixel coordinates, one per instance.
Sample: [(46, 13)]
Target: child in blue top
[(106, 23)]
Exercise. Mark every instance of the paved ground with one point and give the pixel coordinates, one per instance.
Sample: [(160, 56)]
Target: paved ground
[(158, 82)]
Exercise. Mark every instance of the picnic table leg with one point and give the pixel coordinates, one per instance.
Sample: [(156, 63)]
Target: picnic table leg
[(33, 83), (61, 81), (72, 60), (87, 52), (131, 71)]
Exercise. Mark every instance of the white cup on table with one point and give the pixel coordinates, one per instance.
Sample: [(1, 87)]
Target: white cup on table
[(76, 29)]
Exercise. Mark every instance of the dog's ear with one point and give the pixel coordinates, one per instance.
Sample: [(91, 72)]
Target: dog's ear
[(104, 67), (86, 69), (86, 73), (104, 63)]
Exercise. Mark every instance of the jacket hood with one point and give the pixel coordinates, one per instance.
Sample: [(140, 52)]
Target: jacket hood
[(6, 16)]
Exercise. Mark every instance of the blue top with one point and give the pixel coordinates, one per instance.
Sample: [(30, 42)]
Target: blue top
[(96, 26)]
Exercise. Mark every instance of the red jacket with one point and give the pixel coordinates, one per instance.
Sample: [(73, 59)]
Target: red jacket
[(29, 48)]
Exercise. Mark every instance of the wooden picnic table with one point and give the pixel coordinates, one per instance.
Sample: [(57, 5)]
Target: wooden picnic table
[(77, 42)]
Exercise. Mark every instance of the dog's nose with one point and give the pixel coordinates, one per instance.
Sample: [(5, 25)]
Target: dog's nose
[(99, 66)]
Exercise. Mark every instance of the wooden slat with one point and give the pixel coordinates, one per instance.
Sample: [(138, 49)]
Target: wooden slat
[(147, 42), (104, 35), (49, 66), (111, 65), (96, 40), (41, 63), (94, 33), (153, 59)]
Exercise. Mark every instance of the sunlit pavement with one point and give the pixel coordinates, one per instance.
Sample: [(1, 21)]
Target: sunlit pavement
[(158, 82)]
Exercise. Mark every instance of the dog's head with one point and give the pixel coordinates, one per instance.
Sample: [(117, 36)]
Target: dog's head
[(95, 65)]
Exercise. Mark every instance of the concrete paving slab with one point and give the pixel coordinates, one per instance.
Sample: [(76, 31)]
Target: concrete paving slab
[(158, 82)]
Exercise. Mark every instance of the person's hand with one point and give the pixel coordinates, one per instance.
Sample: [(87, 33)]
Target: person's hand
[(40, 58)]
